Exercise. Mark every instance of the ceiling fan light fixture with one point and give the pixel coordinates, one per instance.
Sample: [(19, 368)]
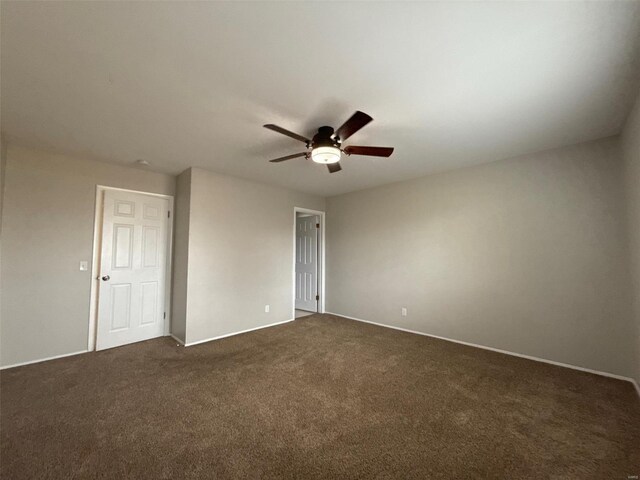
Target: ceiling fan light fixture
[(325, 155)]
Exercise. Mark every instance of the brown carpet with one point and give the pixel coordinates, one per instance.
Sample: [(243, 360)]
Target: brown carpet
[(321, 397)]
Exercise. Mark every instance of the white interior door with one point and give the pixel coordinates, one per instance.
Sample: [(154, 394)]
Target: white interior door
[(132, 268), (307, 263)]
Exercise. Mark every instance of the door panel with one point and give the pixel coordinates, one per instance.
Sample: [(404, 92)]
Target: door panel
[(149, 302), (307, 263), (133, 261), (122, 246), (120, 306), (150, 246)]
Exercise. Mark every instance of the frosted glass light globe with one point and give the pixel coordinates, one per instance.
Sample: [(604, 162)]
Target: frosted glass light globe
[(325, 155)]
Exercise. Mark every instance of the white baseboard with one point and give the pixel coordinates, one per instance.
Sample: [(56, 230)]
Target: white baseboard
[(181, 342), (43, 359), (498, 350), (236, 333)]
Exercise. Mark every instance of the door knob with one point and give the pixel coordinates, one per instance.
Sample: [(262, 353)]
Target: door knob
[(105, 278)]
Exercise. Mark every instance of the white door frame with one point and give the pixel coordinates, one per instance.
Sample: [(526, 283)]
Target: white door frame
[(321, 257), (97, 251)]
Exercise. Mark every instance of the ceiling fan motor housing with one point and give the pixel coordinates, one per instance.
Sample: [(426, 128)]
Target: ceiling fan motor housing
[(325, 138)]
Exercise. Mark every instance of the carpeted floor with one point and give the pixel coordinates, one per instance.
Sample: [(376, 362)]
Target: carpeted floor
[(321, 397)]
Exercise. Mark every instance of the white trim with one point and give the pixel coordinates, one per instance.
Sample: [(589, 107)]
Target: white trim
[(43, 359), (181, 342), (321, 262), (95, 261), (236, 333), (498, 350)]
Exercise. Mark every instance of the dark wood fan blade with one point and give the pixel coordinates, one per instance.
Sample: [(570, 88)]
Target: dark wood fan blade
[(289, 157), (281, 130), (371, 151), (351, 126), (334, 167)]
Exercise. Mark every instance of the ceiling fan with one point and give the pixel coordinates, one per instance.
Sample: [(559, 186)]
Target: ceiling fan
[(326, 145)]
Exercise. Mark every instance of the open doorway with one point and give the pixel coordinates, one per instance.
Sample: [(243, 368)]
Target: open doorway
[(308, 267)]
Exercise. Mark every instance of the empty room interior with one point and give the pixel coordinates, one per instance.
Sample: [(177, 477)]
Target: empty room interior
[(309, 240)]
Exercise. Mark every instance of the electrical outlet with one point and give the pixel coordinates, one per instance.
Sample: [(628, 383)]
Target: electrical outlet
[(267, 308), (84, 266), (404, 311)]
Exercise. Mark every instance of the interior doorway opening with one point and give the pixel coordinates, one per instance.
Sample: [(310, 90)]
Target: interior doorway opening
[(308, 265)]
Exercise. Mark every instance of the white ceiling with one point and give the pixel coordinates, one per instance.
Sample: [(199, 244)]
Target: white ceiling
[(191, 84)]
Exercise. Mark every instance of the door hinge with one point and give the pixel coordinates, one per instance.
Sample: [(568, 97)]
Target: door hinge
[(168, 213), (165, 315), (317, 225), (317, 297)]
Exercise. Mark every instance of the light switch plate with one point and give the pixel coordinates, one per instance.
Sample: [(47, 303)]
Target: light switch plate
[(84, 266), (404, 311), (267, 308)]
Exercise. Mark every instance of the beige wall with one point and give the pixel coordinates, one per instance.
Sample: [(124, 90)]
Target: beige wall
[(630, 141), (48, 217), (182, 208), (526, 255), (3, 165), (240, 254)]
